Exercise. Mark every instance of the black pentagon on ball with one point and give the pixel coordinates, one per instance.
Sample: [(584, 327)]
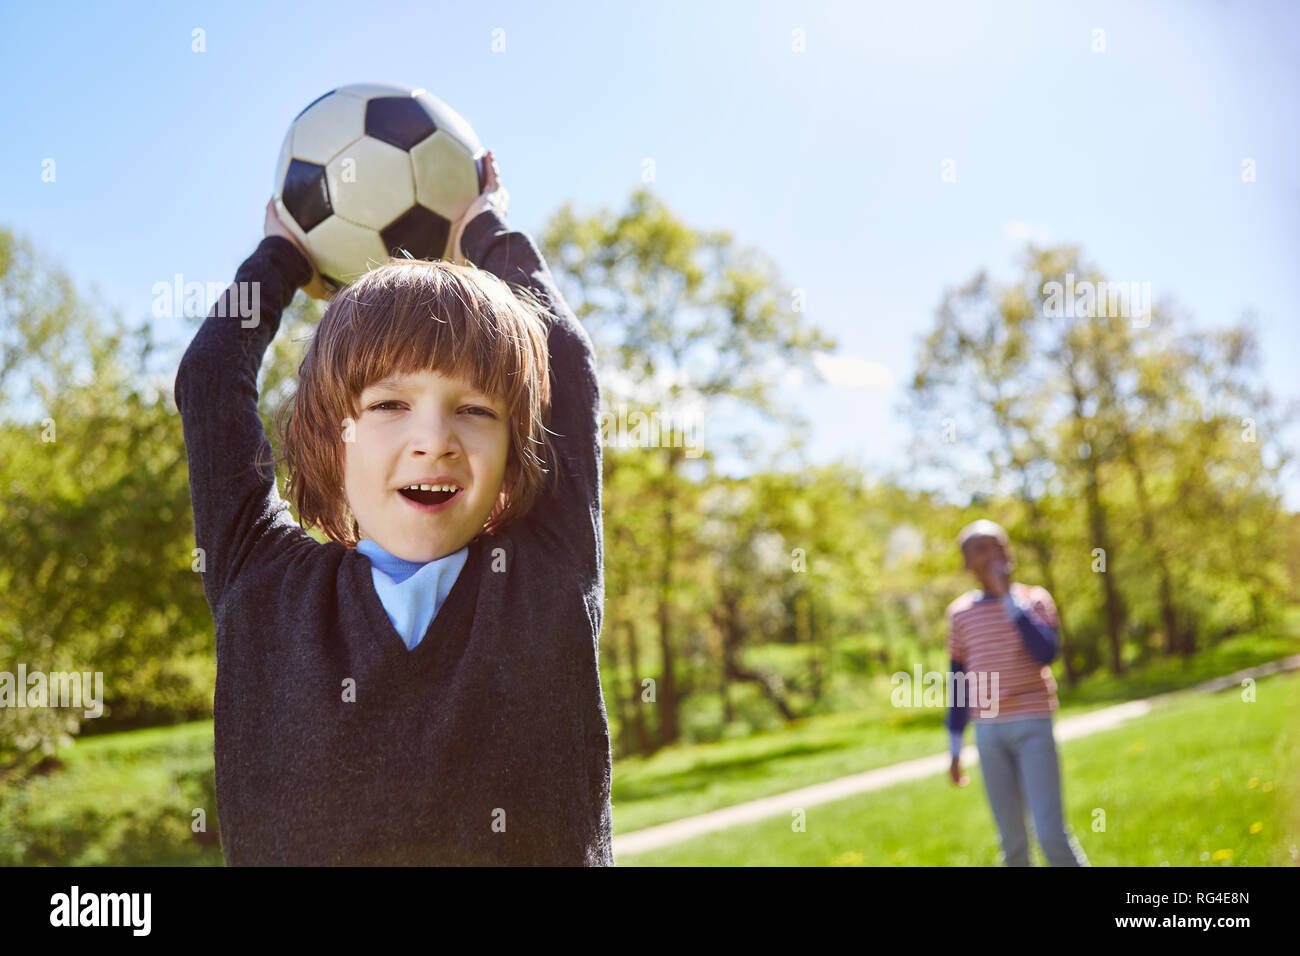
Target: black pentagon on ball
[(398, 120), (306, 194), (421, 232)]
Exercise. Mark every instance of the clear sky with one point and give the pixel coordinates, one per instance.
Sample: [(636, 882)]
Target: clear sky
[(829, 159)]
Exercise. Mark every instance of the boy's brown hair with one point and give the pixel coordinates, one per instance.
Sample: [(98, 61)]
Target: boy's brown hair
[(405, 317)]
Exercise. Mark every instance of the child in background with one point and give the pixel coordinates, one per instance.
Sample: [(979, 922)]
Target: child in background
[(424, 687), (1010, 629)]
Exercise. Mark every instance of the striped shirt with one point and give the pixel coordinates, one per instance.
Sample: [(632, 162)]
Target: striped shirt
[(984, 639)]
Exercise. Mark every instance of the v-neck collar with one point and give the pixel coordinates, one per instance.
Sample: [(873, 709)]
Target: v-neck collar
[(411, 589), (385, 639)]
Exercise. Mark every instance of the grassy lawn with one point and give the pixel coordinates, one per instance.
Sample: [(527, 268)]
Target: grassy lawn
[(682, 781), (1203, 780), (117, 800), (130, 798)]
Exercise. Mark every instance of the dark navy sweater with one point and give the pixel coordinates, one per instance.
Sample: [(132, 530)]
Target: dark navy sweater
[(485, 744)]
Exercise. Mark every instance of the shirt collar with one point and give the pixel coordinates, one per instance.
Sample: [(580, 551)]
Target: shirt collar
[(399, 569)]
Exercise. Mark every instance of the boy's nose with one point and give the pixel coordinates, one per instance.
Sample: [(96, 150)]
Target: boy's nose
[(433, 434)]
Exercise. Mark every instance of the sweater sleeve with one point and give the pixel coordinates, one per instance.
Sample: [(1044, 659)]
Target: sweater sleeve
[(568, 508), (1036, 624), (567, 513), (956, 716), (236, 503)]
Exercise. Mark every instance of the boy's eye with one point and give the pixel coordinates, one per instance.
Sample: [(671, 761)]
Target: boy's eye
[(474, 408)]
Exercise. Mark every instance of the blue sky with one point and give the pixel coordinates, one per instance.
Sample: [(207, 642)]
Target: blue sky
[(828, 160)]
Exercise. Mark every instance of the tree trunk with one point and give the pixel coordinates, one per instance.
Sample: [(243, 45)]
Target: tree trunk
[(667, 691), (1100, 535), (822, 635), (638, 711), (1041, 545), (1098, 526), (621, 704), (724, 675), (1168, 612), (728, 621), (809, 639)]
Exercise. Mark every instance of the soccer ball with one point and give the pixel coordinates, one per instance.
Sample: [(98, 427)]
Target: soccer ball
[(372, 170)]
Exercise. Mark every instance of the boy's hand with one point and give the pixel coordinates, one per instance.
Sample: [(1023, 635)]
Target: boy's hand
[(954, 771), (494, 196), (316, 287)]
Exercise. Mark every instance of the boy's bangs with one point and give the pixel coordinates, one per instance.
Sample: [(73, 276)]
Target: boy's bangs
[(405, 334)]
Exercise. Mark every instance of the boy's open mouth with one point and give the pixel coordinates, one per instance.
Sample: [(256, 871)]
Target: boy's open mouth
[(428, 497)]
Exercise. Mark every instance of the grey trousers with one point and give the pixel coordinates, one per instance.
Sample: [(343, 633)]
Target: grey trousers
[(1019, 764)]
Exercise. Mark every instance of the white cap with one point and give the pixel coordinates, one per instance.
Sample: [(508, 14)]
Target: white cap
[(983, 527)]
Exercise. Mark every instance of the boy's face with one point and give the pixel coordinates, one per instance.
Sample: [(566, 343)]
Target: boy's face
[(418, 429)]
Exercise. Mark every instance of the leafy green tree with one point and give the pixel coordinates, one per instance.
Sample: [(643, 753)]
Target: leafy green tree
[(683, 318), (96, 573), (1159, 433)]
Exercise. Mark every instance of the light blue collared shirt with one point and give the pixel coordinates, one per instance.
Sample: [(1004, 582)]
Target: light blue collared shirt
[(412, 593)]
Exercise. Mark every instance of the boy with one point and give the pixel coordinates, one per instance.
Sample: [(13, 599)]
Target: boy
[(1009, 630), (424, 687)]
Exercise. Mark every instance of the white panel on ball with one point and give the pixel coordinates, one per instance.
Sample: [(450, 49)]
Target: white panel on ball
[(331, 124), (345, 250), (383, 187), (446, 179)]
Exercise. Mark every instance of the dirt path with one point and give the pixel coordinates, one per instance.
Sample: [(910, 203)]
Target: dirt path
[(1106, 718)]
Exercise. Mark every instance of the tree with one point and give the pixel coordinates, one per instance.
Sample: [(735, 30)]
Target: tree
[(1158, 434), (686, 320), (96, 573), (977, 387)]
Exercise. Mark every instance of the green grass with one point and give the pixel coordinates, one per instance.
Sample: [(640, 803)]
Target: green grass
[(123, 799), (682, 781), (129, 798), (1202, 780)]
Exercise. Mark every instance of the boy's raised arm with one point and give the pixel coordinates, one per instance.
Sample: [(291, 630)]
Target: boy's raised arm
[(235, 502), (489, 243)]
